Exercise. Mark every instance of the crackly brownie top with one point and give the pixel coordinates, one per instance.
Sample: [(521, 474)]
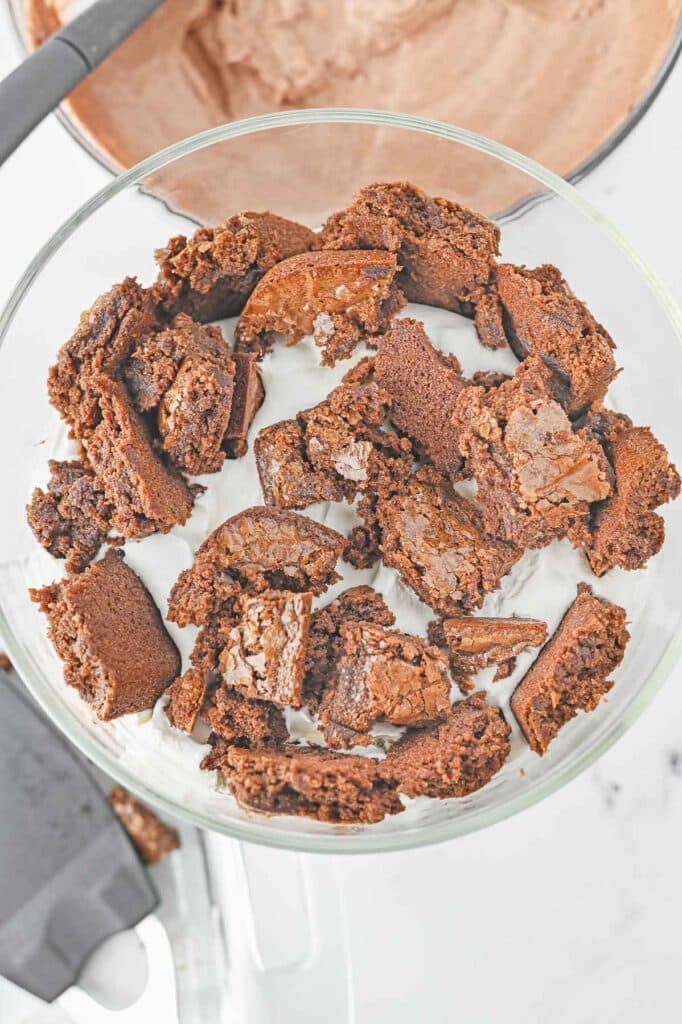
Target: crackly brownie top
[(475, 642), (150, 836)]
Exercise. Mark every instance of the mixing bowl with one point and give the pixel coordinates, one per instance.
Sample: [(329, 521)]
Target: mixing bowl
[(248, 165)]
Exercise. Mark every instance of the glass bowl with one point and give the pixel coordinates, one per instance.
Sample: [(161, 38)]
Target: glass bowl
[(247, 165)]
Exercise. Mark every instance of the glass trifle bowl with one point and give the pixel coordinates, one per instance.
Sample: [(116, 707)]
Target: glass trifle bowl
[(305, 165)]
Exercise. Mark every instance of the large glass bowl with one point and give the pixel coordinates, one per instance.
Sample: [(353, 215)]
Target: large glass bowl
[(247, 165)]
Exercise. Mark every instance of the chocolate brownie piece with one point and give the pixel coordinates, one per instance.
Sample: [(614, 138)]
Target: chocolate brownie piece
[(475, 643), (489, 320), (144, 493), (72, 518), (423, 385), (258, 549), (338, 297), (107, 333), (237, 721), (434, 538), (536, 476), (150, 837), (287, 478), (543, 317), (186, 696), (446, 252), (249, 393), (571, 672), (211, 274), (309, 782), (108, 632), (382, 675), (264, 657), (453, 758), (357, 604)]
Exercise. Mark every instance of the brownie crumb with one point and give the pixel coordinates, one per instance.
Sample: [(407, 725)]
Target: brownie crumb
[(249, 394), (489, 320), (150, 837), (240, 722), (5, 663), (474, 643), (186, 696)]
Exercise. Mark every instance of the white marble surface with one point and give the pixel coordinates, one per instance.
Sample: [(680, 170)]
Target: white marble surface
[(569, 912)]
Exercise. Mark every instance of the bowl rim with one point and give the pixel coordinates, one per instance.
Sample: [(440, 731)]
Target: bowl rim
[(346, 840)]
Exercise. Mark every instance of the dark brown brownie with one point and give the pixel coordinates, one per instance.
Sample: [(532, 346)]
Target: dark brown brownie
[(145, 494), (258, 549), (264, 657), (434, 538), (72, 518), (186, 696), (382, 675), (489, 320), (453, 758), (357, 604), (108, 632), (570, 673), (543, 317), (211, 274), (150, 837), (287, 478), (247, 399), (423, 385), (338, 297), (446, 252), (237, 721), (309, 782), (536, 476), (476, 642)]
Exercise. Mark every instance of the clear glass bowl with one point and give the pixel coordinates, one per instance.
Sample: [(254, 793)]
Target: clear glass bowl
[(244, 165)]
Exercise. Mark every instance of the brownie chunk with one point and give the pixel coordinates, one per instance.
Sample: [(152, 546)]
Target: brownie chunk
[(571, 672), (309, 782), (195, 412), (489, 320), (108, 632), (287, 477), (258, 549), (150, 837), (72, 518), (239, 722), (475, 643), (117, 323), (186, 696), (382, 675), (423, 385), (338, 297), (248, 396), (144, 493), (536, 476), (446, 252), (357, 604), (453, 758), (211, 274), (434, 538), (543, 317)]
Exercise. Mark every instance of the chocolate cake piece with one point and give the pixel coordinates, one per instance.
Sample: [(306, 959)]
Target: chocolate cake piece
[(309, 782), (423, 385), (211, 274), (571, 672), (453, 758), (287, 478), (435, 539), (536, 476), (150, 837), (475, 642), (543, 317), (338, 297), (257, 549), (72, 518), (237, 721), (186, 696), (145, 494), (382, 675), (249, 393), (108, 632), (446, 252)]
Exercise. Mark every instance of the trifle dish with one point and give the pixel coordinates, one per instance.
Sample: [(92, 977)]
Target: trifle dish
[(424, 508)]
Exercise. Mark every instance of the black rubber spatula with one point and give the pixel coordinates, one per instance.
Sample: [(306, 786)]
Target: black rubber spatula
[(69, 877)]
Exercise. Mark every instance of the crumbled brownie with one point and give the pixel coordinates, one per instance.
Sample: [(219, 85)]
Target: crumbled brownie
[(489, 378), (357, 604), (489, 320), (108, 632), (536, 476), (264, 657), (150, 837), (314, 783), (542, 316), (287, 478), (249, 393), (364, 541), (258, 549), (570, 673), (72, 518), (145, 494), (475, 643), (446, 252), (434, 538), (239, 722), (211, 274), (107, 333), (423, 385), (382, 675), (338, 297), (186, 696), (453, 758)]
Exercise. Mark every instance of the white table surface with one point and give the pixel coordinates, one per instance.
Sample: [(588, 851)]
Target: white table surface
[(569, 912)]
